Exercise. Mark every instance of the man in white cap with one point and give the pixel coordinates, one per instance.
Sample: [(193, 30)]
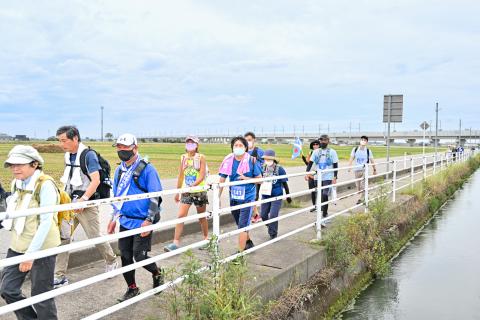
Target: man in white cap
[(135, 176), (30, 189), (81, 187)]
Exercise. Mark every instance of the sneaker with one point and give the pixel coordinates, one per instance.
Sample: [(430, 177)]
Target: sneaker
[(204, 247), (172, 246), (60, 282), (256, 218), (249, 244), (313, 210), (158, 280), (273, 236), (130, 293), (359, 201), (323, 225)]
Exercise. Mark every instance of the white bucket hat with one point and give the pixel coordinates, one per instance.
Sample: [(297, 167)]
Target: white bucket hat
[(22, 155)]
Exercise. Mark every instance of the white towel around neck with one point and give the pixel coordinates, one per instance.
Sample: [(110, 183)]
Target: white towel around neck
[(12, 202), (76, 177)]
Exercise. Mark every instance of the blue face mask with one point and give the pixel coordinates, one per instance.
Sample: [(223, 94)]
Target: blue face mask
[(238, 151)]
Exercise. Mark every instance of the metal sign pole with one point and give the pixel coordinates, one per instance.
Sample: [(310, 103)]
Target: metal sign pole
[(388, 132), (424, 130)]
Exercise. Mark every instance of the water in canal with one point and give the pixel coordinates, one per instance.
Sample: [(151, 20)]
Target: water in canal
[(438, 275)]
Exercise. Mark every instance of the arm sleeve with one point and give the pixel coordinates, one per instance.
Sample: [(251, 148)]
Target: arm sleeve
[(304, 160), (309, 165), (335, 173), (48, 197), (285, 186), (153, 185)]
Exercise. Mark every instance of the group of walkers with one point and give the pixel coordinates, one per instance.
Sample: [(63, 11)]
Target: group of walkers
[(86, 177)]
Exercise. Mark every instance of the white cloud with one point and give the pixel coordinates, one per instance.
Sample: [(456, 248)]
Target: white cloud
[(331, 59)]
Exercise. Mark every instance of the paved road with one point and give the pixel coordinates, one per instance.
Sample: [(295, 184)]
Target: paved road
[(169, 207)]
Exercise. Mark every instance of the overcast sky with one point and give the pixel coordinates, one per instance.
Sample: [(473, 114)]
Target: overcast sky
[(195, 66)]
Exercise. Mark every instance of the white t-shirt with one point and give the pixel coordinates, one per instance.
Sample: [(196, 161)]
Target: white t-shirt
[(360, 156)]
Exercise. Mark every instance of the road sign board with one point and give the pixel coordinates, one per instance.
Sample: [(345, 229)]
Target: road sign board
[(424, 125), (395, 103)]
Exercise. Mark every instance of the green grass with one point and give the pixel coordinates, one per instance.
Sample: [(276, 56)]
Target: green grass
[(166, 156)]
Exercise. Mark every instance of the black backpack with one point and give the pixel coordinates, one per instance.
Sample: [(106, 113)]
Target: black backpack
[(103, 189), (3, 199), (368, 154)]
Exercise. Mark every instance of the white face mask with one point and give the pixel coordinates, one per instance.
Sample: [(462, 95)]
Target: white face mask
[(269, 163), (363, 143), (250, 144), (238, 151)]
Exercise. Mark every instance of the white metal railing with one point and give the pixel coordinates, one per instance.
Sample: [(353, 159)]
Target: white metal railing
[(438, 162)]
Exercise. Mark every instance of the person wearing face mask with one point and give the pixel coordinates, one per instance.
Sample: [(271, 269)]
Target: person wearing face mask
[(257, 154), (312, 183), (192, 173), (134, 176), (237, 166), (81, 186), (325, 158), (271, 189), (362, 156)]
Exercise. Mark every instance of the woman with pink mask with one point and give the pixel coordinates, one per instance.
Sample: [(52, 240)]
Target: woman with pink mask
[(192, 173)]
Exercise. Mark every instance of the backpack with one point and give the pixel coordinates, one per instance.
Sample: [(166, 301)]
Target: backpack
[(136, 176), (368, 153), (67, 215), (3, 199), (103, 189), (255, 154), (196, 163)]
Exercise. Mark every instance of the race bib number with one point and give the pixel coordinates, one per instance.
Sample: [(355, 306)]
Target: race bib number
[(266, 188), (190, 180), (238, 192)]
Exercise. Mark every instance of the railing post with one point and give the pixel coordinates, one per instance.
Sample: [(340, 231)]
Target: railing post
[(366, 175), (412, 172), (435, 163), (319, 204), (394, 181), (424, 168), (216, 215), (441, 162), (404, 160)]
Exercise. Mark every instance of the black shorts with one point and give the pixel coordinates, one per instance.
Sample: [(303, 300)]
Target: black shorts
[(135, 243)]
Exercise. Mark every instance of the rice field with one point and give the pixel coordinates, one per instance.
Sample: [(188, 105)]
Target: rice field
[(166, 156)]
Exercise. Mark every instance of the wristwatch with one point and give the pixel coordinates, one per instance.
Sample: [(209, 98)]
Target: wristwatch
[(149, 219)]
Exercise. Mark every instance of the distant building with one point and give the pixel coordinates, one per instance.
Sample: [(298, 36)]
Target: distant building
[(5, 137), (21, 137)]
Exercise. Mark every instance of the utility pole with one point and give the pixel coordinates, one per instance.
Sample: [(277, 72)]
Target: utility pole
[(436, 128), (101, 124), (460, 133)]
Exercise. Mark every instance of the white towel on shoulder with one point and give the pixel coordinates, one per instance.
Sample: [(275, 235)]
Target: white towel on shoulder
[(76, 177)]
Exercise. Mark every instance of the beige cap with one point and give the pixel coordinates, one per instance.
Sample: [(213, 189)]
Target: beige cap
[(22, 155)]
